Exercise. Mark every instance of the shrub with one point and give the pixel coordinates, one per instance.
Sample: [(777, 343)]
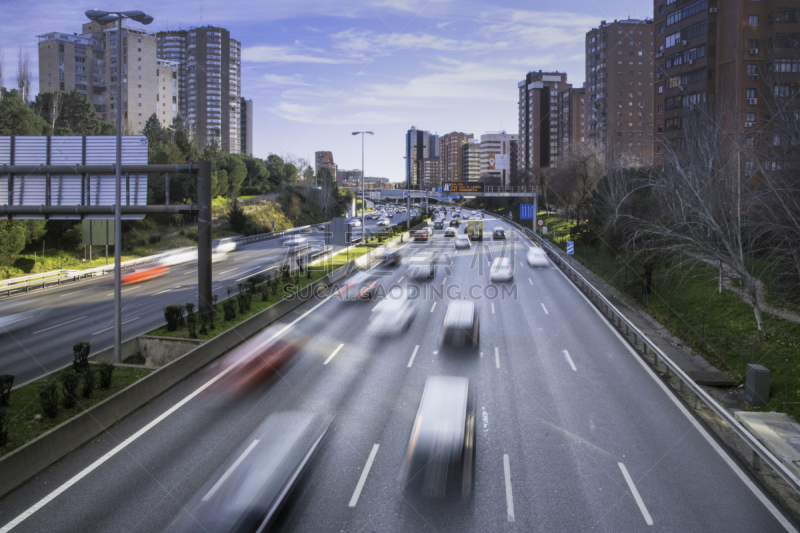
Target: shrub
[(6, 382), (154, 239), (174, 316), (80, 356), (69, 385), (3, 428), (88, 383), (207, 321), (191, 323), (275, 284), (229, 309), (244, 298), (106, 373), (48, 396), (191, 235)]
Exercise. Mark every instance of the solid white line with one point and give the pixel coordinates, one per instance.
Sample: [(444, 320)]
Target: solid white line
[(88, 470), (363, 478), (545, 309), (509, 495), (162, 292), (529, 281), (569, 360), (328, 360), (108, 328), (434, 306), (190, 272), (496, 357), (636, 496), (401, 279), (123, 290), (413, 355), (725, 457), (59, 325), (492, 307), (521, 264), (229, 471), (225, 272)]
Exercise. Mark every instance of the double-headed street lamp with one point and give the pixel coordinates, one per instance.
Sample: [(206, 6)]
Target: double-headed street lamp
[(363, 200), (104, 17)]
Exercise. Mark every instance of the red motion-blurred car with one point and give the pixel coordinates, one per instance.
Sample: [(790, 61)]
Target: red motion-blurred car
[(143, 274), (257, 365)]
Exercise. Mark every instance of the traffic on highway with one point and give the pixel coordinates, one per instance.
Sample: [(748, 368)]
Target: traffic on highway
[(457, 382)]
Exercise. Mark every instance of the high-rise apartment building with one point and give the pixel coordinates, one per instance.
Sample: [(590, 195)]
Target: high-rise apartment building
[(325, 160), (496, 157), (429, 173), (737, 57), (451, 155), (571, 119), (471, 160), (247, 126), (420, 144), (209, 82), (90, 64), (347, 175), (167, 97), (538, 119), (619, 89)]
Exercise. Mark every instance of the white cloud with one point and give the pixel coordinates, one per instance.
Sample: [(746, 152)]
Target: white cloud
[(285, 54), (276, 79)]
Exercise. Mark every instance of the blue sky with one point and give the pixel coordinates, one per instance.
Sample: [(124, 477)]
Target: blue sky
[(318, 70)]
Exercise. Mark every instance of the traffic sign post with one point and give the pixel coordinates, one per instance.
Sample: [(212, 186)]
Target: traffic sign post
[(570, 247)]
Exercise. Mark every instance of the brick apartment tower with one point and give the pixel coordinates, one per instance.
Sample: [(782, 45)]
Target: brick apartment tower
[(538, 119)]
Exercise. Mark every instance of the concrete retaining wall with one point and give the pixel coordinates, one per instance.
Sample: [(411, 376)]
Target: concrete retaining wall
[(159, 351)]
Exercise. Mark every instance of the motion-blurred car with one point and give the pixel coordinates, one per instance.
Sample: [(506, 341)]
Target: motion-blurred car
[(502, 269), (461, 325), (247, 491), (392, 316), (144, 273), (440, 459), (355, 223), (498, 233), (384, 222), (256, 362), (462, 241), (537, 258), (392, 258), (450, 232), (225, 246), (422, 266), (296, 243), (369, 216), (390, 214), (362, 286)]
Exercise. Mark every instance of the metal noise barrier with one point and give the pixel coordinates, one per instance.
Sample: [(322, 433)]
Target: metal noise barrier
[(599, 300)]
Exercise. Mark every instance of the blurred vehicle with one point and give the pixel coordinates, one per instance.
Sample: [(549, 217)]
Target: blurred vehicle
[(450, 232), (439, 224), (256, 362), (461, 325), (475, 230), (392, 316), (362, 287), (369, 216), (502, 270), (296, 243), (422, 266), (466, 217), (14, 321), (248, 490), (384, 222), (440, 459), (392, 257), (537, 258), (498, 233), (462, 241), (224, 246), (355, 223), (144, 273), (423, 234), (390, 214), (455, 222)]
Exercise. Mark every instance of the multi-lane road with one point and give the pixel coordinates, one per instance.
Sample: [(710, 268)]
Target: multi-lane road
[(575, 433), (38, 329)]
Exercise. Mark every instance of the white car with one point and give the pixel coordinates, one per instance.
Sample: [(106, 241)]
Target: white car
[(502, 270), (537, 258), (392, 316), (355, 223), (450, 232), (462, 241), (384, 222)]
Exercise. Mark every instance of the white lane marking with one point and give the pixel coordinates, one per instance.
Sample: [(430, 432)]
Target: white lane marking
[(496, 357), (636, 495), (401, 279), (76, 292), (123, 290), (522, 265), (328, 360), (59, 325), (162, 292), (529, 281), (229, 471), (434, 306), (225, 272), (509, 494), (413, 355), (108, 328), (569, 360), (492, 307), (363, 478), (190, 272), (725, 457), (89, 469), (545, 309)]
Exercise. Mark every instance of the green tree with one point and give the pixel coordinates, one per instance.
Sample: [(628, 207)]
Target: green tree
[(17, 118), (236, 173), (179, 133), (69, 113), (236, 218), (154, 131), (12, 241), (275, 170), (105, 128)]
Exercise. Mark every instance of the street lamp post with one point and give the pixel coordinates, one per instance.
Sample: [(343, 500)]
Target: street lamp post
[(104, 17), (363, 199)]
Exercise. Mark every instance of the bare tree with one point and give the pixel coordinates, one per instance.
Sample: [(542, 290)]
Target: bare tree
[(23, 76)]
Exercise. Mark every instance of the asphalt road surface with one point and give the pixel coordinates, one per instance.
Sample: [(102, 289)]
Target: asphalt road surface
[(574, 432)]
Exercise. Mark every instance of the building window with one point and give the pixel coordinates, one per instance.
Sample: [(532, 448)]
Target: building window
[(751, 93), (753, 20)]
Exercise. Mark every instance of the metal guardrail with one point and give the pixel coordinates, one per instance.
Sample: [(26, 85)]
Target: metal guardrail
[(672, 369)]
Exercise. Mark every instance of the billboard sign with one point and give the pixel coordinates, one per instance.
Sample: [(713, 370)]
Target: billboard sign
[(499, 162), (463, 187)]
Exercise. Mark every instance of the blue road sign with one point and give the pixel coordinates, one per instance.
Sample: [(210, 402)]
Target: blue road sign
[(526, 212), (570, 247), (405, 194), (440, 196), (440, 189)]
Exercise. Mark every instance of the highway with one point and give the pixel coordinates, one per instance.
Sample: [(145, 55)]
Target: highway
[(38, 329), (575, 433)]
